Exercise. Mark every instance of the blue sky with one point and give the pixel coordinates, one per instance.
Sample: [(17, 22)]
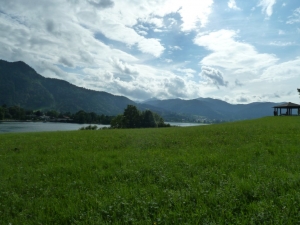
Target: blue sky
[(234, 50)]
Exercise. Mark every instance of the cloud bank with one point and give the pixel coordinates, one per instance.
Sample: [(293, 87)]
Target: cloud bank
[(161, 48)]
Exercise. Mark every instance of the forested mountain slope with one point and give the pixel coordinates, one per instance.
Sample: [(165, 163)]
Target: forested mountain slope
[(21, 85)]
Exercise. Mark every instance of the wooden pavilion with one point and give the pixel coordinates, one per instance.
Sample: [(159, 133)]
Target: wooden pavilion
[(288, 107)]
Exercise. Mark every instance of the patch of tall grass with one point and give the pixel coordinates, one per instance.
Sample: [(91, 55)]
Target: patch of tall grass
[(235, 173)]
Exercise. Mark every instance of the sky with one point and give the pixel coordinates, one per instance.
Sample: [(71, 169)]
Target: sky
[(234, 50)]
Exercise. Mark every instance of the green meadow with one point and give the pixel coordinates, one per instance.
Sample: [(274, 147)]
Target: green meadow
[(244, 172)]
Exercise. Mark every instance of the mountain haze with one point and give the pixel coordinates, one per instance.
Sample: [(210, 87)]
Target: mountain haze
[(215, 109)]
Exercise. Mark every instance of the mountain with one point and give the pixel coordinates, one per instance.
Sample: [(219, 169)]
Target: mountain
[(215, 109), (21, 85)]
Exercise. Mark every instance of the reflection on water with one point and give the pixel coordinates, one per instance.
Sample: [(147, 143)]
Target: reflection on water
[(17, 127)]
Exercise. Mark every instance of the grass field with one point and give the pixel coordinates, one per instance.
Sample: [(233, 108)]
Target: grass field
[(235, 173)]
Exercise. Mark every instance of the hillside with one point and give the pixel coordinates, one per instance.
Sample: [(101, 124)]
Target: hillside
[(215, 109), (21, 85)]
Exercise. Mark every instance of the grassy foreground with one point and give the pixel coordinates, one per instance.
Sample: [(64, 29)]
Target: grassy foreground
[(236, 173)]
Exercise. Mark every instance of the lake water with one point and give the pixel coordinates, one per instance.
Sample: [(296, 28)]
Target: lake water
[(19, 127), (185, 124)]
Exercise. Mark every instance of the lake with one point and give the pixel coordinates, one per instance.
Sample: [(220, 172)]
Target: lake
[(17, 127), (20, 127), (185, 124)]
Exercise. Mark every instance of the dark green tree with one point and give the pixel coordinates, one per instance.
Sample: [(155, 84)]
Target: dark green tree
[(6, 113), (147, 119), (17, 112), (67, 114), (38, 113), (118, 122), (93, 117), (105, 119), (80, 117), (160, 121), (131, 117), (52, 113), (2, 113)]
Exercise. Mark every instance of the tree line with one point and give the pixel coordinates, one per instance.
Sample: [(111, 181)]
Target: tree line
[(18, 113), (133, 118), (12, 113)]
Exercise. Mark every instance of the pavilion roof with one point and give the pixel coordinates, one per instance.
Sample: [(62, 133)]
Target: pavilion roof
[(288, 105)]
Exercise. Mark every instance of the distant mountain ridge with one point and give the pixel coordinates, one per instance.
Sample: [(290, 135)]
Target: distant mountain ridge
[(21, 85), (215, 109)]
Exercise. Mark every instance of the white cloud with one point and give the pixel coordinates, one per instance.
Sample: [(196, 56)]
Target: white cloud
[(118, 24), (282, 71), (141, 82), (172, 22), (214, 76), (65, 62), (242, 99), (158, 22), (119, 16), (175, 48), (168, 60), (276, 83), (187, 72), (232, 5), (175, 86), (267, 6), (281, 44), (142, 32), (231, 54), (158, 30), (124, 67), (151, 46), (194, 12), (140, 26), (238, 83), (101, 3), (295, 18), (130, 37)]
